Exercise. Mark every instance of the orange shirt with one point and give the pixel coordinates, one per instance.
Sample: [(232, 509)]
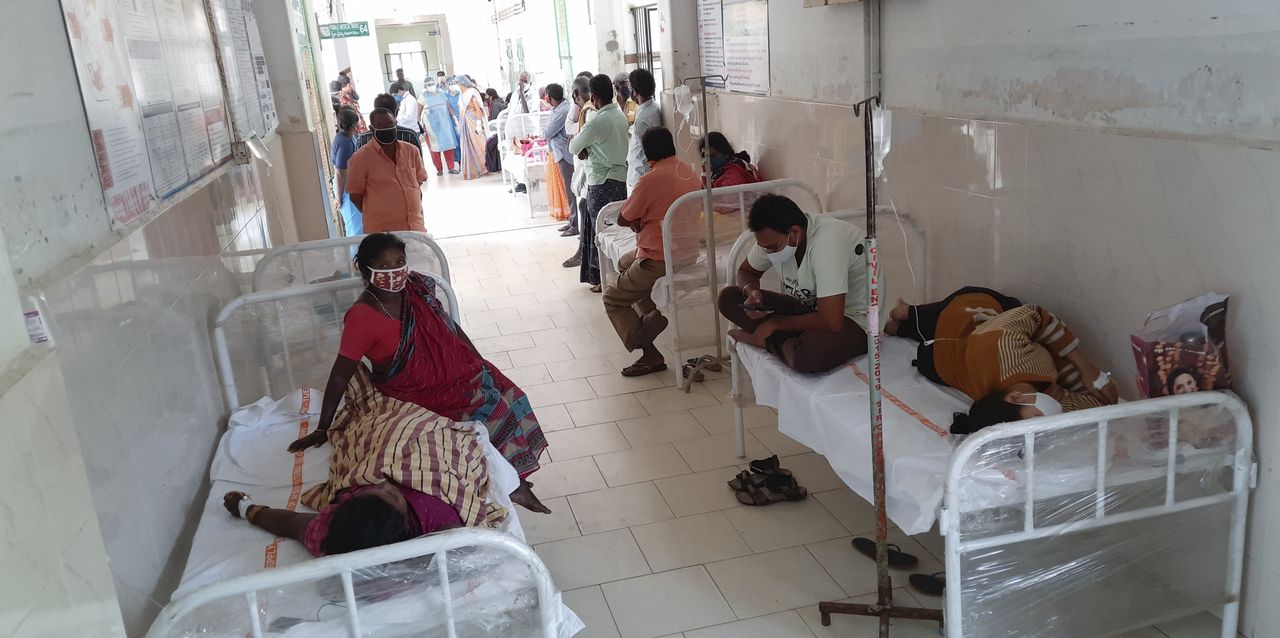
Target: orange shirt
[(392, 189), (648, 204)]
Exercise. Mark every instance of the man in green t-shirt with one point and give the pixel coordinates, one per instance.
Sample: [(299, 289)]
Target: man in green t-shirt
[(819, 320)]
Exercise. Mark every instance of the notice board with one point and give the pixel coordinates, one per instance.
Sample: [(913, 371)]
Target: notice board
[(733, 39)]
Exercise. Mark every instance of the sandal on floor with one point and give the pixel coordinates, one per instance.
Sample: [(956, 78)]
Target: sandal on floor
[(745, 480), (934, 584), (687, 371), (641, 369), (713, 367), (768, 496), (897, 558)]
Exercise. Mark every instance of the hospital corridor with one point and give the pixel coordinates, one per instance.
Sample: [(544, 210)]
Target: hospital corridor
[(640, 319)]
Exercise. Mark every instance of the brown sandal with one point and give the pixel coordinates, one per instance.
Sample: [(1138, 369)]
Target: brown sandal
[(746, 480)]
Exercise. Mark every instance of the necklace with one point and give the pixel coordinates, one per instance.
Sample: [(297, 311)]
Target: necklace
[(380, 305)]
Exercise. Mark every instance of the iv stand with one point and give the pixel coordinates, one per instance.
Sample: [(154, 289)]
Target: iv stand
[(717, 361), (884, 606)]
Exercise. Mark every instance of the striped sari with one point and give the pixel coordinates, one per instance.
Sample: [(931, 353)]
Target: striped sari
[(435, 368), (472, 127), (376, 439)]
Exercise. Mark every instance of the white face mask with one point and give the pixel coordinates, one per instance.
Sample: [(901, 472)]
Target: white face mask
[(1046, 404), (783, 256)]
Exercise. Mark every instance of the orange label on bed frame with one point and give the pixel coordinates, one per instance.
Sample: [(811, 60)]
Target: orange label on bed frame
[(295, 489), (924, 420)]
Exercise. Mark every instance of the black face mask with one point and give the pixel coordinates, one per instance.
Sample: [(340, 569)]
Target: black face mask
[(385, 136)]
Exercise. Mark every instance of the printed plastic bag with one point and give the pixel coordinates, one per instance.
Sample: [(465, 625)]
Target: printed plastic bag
[(352, 219), (1183, 348)]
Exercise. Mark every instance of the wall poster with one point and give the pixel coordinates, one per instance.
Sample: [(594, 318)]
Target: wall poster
[(734, 41)]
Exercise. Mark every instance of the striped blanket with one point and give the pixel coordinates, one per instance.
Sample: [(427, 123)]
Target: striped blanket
[(376, 438)]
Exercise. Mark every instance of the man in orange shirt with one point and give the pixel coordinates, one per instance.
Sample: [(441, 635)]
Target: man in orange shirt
[(628, 302), (384, 179)]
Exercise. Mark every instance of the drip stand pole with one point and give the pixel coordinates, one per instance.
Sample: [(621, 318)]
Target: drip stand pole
[(718, 360), (884, 606)]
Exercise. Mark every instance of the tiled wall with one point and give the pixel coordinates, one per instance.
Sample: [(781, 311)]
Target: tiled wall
[(1103, 228), (55, 579), (133, 341)]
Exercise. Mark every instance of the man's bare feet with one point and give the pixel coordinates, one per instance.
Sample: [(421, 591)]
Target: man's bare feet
[(891, 328), (899, 311), (746, 336), (524, 497)]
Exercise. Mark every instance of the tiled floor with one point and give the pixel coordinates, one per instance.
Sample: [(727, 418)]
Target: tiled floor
[(645, 539)]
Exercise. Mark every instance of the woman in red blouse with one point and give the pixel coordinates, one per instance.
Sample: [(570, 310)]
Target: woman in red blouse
[(419, 354)]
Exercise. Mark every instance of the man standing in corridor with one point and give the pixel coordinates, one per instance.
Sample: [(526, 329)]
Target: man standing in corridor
[(603, 144), (384, 179)]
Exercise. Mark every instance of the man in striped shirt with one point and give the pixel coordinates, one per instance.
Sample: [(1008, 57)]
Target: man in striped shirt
[(1015, 361)]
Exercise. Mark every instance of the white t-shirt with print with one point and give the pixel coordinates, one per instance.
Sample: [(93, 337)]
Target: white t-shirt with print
[(831, 266)]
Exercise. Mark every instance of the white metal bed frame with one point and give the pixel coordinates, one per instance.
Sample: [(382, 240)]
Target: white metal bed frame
[(409, 237), (225, 369), (609, 215), (505, 152), (344, 565)]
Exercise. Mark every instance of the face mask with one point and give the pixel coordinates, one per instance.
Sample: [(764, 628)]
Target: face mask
[(384, 135), (391, 279), (399, 97), (455, 89), (718, 163), (1046, 404), (783, 256)]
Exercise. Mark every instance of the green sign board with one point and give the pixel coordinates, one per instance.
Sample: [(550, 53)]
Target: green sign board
[(343, 30)]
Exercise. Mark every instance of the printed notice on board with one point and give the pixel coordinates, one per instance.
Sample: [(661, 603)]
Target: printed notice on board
[(746, 45), (711, 39), (115, 128)]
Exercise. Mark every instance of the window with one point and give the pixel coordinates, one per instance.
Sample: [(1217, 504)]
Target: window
[(408, 56), (648, 56)]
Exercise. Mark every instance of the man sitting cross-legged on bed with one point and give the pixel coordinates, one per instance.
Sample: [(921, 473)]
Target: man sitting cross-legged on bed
[(629, 302), (397, 471), (1015, 362), (419, 354), (820, 321)]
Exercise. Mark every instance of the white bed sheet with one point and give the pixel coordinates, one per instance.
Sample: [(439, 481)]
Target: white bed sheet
[(830, 414), (251, 458)]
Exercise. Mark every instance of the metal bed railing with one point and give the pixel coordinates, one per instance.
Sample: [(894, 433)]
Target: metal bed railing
[(416, 243)]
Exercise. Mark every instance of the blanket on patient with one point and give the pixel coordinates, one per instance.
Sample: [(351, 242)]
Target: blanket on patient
[(376, 438)]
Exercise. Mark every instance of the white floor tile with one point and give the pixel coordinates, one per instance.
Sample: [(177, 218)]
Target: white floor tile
[(719, 451), (553, 336), (718, 419), (593, 559), (674, 399), (641, 464), (588, 346), (619, 507), (549, 309), (525, 325), (607, 409), (855, 513), (787, 624), (664, 428), (585, 441), (779, 443), (772, 582), (540, 354), (554, 417), (580, 368), (481, 331), (525, 300), (657, 605), (699, 493), (843, 626), (688, 541), (559, 392), (856, 573), (784, 524), (544, 528), (589, 604), (529, 375), (613, 383), (500, 360), (567, 477)]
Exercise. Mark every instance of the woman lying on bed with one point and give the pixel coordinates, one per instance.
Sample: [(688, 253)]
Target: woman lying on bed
[(421, 356), (397, 471), (1015, 361)]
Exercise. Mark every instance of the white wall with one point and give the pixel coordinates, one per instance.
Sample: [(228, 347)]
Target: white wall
[(816, 54), (1194, 68)]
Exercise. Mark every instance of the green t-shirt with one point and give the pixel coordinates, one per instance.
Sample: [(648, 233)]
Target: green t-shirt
[(831, 266)]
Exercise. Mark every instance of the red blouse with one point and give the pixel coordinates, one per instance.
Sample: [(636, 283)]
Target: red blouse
[(366, 332)]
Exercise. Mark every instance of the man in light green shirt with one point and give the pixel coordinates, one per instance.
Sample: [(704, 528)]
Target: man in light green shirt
[(603, 144)]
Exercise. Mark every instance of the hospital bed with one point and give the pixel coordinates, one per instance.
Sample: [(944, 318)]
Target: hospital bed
[(1088, 523), (513, 163), (687, 294), (238, 581), (322, 260)]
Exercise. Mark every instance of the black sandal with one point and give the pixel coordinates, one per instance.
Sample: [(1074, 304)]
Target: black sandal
[(758, 496), (934, 584), (897, 558), (745, 480)]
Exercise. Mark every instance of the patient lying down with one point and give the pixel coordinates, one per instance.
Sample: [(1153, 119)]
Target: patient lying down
[(397, 471), (1015, 361)]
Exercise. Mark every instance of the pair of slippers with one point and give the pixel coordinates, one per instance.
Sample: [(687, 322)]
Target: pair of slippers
[(934, 584), (766, 483)]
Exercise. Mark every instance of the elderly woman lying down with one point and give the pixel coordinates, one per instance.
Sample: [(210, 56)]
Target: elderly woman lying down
[(397, 471), (1015, 361)]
